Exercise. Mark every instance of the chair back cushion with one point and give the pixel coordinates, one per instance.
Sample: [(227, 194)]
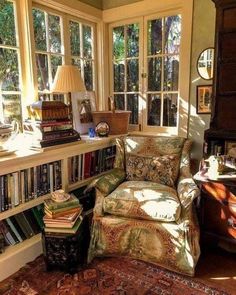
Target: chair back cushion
[(153, 158), (143, 200)]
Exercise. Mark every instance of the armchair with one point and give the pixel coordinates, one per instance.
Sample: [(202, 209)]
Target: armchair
[(144, 207)]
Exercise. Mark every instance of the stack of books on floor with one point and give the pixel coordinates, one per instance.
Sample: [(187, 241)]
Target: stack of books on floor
[(49, 124), (62, 217)]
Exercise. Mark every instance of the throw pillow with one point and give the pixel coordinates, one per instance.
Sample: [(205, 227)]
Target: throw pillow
[(163, 169), (107, 183)]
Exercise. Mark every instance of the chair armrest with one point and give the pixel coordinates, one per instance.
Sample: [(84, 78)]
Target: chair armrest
[(104, 185), (187, 191), (110, 181)]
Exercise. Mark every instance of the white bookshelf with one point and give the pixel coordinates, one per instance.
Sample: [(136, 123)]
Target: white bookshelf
[(15, 257)]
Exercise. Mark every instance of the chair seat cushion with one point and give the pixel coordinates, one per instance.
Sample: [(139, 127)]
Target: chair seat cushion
[(144, 200)]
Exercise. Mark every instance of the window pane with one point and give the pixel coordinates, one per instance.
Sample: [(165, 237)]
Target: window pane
[(87, 41), (39, 29), (74, 38), (118, 43), (154, 110), (119, 76), (7, 24), (154, 74), (132, 105), (119, 100), (9, 70), (170, 110), (43, 96), (55, 62), (154, 36), (42, 71), (11, 108), (54, 33), (171, 73), (133, 40), (172, 34), (132, 75), (76, 62), (88, 75)]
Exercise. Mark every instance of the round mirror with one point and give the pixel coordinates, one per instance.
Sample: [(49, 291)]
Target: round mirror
[(205, 63)]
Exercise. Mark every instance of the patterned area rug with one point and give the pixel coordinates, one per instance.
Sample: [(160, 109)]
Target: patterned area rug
[(106, 276)]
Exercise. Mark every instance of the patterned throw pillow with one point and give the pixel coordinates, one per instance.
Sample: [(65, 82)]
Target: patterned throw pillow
[(163, 169), (107, 183)]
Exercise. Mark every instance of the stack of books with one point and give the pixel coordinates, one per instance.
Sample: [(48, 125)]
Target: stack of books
[(62, 217), (49, 124)]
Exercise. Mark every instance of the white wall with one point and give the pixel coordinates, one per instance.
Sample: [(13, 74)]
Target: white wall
[(203, 36)]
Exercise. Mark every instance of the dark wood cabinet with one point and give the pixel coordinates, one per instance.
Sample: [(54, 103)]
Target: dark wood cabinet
[(218, 214), (224, 82), (223, 118), (218, 198)]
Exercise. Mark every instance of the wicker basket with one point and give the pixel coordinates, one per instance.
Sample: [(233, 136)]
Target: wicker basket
[(118, 121)]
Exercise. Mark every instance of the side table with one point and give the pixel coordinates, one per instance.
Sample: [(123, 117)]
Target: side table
[(66, 251)]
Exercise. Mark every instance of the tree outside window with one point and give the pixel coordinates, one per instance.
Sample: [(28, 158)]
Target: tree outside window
[(10, 80)]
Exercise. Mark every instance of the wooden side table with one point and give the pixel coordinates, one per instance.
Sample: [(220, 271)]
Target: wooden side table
[(66, 251), (217, 212)]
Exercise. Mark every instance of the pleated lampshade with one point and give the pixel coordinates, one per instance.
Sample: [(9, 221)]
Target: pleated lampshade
[(68, 79)]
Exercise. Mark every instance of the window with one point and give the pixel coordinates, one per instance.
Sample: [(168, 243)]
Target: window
[(145, 71), (48, 45), (126, 69), (51, 50), (10, 74), (82, 51), (162, 68)]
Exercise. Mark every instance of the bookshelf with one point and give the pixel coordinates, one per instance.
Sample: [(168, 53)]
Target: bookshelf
[(18, 255)]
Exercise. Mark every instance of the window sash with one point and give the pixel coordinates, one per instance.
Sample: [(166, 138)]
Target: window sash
[(14, 93), (143, 91)]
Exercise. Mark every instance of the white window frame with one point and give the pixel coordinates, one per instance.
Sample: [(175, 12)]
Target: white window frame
[(17, 48), (185, 9), (94, 47), (65, 40)]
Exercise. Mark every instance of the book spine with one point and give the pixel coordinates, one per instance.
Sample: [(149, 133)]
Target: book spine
[(38, 217), (11, 225), (87, 165), (51, 176), (16, 188), (2, 207)]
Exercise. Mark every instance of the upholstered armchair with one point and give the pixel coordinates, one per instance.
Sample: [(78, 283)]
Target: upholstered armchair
[(144, 207)]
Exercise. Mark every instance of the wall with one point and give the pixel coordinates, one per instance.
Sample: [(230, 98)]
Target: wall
[(202, 37)]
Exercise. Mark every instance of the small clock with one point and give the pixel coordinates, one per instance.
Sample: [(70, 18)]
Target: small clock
[(102, 129)]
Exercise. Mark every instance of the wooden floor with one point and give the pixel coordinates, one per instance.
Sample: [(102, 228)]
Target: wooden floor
[(217, 267)]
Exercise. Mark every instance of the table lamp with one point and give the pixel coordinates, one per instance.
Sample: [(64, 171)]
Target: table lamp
[(67, 80)]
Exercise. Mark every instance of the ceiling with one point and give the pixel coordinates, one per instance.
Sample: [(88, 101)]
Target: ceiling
[(107, 4)]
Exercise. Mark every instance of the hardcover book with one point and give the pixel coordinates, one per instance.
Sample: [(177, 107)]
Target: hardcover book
[(61, 211), (59, 222), (72, 230), (52, 205)]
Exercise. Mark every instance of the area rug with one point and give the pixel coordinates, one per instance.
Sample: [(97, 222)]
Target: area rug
[(105, 276)]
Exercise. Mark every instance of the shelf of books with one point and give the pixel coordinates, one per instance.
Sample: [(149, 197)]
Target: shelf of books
[(26, 181)]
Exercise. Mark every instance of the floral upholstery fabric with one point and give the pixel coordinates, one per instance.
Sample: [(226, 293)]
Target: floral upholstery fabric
[(162, 169), (143, 200), (107, 183), (166, 244), (122, 227)]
